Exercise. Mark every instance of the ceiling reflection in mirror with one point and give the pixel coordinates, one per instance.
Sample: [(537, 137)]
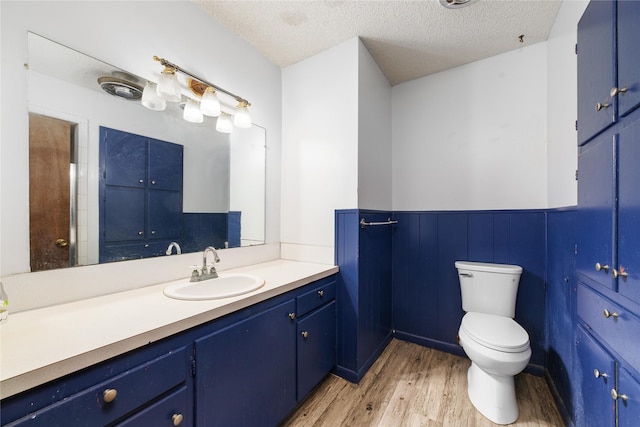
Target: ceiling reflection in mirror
[(222, 193)]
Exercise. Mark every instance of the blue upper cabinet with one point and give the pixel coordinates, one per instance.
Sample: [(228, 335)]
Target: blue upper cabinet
[(596, 69), (596, 205), (140, 195), (628, 56), (627, 269)]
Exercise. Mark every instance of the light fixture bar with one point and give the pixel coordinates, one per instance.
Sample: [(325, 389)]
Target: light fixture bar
[(166, 63)]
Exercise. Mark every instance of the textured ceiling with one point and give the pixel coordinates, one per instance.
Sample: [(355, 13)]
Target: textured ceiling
[(407, 39)]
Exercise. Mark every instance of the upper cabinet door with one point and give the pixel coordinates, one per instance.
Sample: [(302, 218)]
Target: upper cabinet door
[(628, 267), (628, 56), (125, 158), (596, 69), (165, 166), (596, 206)]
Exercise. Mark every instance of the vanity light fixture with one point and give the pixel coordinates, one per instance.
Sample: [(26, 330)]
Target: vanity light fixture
[(210, 104), (192, 112), (224, 123), (242, 118), (150, 98), (168, 85), (169, 89)]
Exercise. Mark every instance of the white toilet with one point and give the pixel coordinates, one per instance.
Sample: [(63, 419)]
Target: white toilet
[(497, 346)]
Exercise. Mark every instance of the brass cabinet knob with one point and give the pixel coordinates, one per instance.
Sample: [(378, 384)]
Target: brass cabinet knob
[(62, 243), (615, 91), (292, 316), (320, 293), (600, 106), (109, 395), (615, 395), (602, 267), (607, 314), (177, 419), (141, 181), (619, 273), (140, 233), (305, 334), (598, 374)]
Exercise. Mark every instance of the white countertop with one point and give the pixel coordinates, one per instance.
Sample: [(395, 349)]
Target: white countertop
[(40, 345)]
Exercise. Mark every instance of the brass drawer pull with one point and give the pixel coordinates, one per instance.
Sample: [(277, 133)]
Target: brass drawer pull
[(619, 273), (615, 91), (305, 334), (177, 419), (292, 316), (109, 395), (607, 314), (602, 267), (320, 293), (600, 106)]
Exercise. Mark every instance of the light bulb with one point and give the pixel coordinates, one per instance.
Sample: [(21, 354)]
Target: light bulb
[(150, 98), (242, 118), (210, 105), (168, 85), (224, 124), (192, 112)]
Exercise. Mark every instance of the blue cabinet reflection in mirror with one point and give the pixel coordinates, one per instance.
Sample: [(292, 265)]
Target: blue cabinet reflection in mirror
[(141, 194)]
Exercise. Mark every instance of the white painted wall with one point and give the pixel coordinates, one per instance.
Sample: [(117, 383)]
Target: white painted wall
[(127, 35), (473, 137), (562, 147), (319, 149), (374, 134)]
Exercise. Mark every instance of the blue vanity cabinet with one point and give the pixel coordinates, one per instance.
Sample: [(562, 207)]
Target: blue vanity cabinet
[(596, 51), (316, 337), (246, 372), (596, 378), (628, 56), (106, 395), (140, 195)]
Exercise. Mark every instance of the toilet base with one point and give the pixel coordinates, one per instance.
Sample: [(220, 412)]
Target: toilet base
[(494, 396)]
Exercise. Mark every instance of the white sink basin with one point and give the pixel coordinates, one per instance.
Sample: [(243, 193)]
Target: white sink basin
[(225, 286)]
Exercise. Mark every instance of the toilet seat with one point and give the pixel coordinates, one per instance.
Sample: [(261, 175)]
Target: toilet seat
[(495, 332)]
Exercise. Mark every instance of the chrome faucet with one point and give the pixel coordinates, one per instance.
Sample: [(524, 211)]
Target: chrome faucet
[(174, 245), (206, 273)]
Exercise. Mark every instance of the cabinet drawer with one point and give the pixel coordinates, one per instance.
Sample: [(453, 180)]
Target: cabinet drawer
[(133, 389), (614, 324), (315, 298), (168, 411)]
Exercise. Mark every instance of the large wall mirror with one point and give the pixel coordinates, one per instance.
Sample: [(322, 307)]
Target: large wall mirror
[(223, 175)]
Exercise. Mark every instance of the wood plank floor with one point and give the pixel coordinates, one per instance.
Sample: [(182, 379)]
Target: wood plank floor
[(410, 385)]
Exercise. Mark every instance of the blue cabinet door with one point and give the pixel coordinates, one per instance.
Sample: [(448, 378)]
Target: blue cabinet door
[(595, 377), (629, 399), (628, 55), (246, 373), (124, 214), (124, 158), (316, 347), (165, 214), (629, 213), (596, 69), (165, 165), (596, 208)]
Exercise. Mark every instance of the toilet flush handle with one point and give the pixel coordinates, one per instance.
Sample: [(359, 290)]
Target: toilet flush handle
[(467, 274)]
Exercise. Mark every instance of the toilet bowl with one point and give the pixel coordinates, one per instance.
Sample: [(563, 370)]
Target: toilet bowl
[(497, 345), (496, 357)]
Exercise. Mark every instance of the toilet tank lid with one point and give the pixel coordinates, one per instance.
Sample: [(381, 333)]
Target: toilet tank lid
[(491, 268), (496, 332)]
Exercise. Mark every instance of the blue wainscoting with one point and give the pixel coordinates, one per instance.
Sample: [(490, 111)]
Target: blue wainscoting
[(200, 230), (561, 306), (427, 307), (364, 290)]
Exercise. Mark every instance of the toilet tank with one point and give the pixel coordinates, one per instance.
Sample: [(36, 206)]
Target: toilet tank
[(489, 288)]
